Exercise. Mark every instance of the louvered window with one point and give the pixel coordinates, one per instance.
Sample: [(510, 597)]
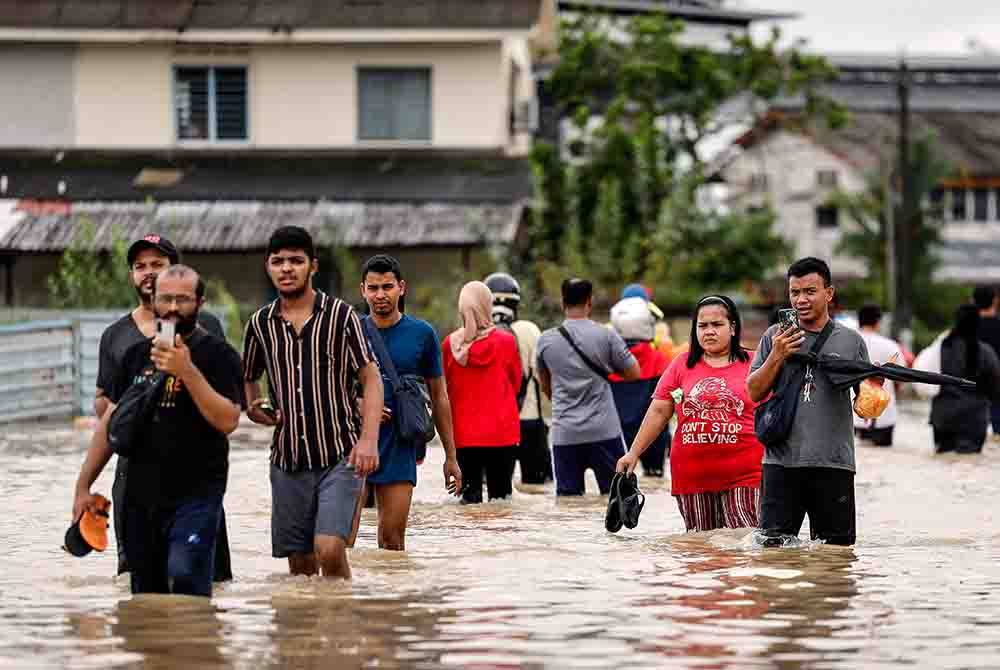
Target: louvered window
[(394, 104), (210, 103)]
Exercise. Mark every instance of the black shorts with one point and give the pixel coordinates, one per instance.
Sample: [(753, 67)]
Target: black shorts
[(825, 494)]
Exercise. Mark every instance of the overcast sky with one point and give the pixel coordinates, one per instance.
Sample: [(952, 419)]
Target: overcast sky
[(919, 26)]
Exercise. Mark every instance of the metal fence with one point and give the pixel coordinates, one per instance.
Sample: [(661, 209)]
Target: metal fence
[(48, 368), (38, 365)]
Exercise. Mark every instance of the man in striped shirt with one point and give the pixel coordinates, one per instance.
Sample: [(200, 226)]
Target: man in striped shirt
[(313, 348)]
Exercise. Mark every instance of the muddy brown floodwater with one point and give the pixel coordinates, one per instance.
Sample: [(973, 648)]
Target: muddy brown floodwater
[(526, 583)]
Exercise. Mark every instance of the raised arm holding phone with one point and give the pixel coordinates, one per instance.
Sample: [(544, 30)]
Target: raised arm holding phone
[(179, 463)]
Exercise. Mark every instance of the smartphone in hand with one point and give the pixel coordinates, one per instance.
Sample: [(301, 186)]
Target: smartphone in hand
[(165, 332), (788, 319)]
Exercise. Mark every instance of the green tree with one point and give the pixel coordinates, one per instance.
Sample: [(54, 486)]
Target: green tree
[(89, 280), (627, 210), (934, 302)]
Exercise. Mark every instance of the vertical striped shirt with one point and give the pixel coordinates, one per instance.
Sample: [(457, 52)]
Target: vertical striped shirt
[(313, 377)]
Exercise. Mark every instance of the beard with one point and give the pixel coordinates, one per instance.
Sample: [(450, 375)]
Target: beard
[(145, 295), (184, 323)]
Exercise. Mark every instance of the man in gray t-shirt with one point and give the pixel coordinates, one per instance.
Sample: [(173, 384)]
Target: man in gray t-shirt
[(812, 472), (586, 431)]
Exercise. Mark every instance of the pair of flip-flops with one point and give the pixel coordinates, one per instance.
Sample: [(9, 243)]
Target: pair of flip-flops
[(624, 502)]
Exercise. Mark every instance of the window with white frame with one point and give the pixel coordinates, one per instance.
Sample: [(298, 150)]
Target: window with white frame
[(210, 103), (394, 104)]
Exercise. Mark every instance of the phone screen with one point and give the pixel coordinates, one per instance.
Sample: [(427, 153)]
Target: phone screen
[(788, 318), (165, 332)]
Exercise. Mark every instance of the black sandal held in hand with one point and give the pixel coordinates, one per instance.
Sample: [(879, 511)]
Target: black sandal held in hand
[(613, 517), (630, 500), (625, 502)]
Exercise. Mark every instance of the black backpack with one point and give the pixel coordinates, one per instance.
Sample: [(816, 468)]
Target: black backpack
[(133, 413)]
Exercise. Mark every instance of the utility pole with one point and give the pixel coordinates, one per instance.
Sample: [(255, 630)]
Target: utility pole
[(889, 221), (903, 309)]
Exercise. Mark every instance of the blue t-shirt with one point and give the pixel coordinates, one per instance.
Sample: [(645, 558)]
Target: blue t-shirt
[(415, 350)]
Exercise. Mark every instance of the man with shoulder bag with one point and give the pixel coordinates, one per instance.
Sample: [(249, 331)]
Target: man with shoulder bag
[(573, 365), (409, 357), (180, 399), (807, 426)]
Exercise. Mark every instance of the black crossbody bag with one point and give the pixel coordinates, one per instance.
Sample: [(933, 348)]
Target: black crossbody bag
[(598, 370), (413, 401), (773, 419)]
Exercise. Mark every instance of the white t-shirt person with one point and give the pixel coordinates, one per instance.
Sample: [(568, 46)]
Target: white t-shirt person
[(880, 350)]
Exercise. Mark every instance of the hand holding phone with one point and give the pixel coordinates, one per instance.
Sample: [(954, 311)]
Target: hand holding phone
[(165, 332), (788, 319)]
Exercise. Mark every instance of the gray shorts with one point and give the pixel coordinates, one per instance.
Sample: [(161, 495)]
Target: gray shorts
[(310, 503)]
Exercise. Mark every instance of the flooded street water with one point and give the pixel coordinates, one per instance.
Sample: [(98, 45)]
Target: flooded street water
[(529, 583)]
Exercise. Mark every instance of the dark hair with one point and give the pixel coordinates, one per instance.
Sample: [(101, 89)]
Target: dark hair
[(869, 315), (291, 237), (983, 297), (736, 350), (383, 264), (967, 330), (809, 265), (576, 292), (182, 271)]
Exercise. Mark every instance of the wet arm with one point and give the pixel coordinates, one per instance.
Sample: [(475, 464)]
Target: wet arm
[(98, 455), (544, 380), (441, 411), (101, 403), (653, 424), (221, 412), (761, 381), (631, 373), (372, 401)]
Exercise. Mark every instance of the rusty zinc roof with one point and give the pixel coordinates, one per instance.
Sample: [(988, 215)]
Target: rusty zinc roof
[(222, 226)]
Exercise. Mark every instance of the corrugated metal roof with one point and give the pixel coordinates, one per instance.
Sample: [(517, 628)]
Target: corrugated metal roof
[(268, 14), (246, 226), (969, 142)]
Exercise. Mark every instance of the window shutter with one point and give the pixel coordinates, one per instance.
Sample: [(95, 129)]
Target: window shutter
[(413, 108), (230, 103), (191, 103), (374, 105)]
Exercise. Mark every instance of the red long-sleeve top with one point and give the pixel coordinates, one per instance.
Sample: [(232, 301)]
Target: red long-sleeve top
[(483, 393)]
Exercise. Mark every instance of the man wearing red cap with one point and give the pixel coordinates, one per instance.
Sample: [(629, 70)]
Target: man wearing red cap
[(147, 257)]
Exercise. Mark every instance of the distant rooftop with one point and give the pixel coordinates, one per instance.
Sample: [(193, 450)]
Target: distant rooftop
[(267, 14), (704, 11)]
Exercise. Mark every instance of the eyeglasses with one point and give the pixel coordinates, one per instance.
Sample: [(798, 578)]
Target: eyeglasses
[(180, 300)]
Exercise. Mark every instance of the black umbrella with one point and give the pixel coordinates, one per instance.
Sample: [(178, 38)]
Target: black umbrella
[(844, 374)]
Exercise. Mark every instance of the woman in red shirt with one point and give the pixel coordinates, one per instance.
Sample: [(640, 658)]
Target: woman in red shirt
[(715, 459), (482, 369)]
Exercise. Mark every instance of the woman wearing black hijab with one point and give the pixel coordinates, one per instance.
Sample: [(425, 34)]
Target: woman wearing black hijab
[(959, 416)]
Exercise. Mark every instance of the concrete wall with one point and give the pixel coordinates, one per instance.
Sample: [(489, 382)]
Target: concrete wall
[(791, 162), (37, 106), (299, 96)]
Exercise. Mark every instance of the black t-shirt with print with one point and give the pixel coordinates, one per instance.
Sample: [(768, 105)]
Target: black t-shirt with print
[(181, 455), (123, 334)]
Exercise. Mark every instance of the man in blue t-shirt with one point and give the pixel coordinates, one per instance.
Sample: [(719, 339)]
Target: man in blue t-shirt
[(415, 350)]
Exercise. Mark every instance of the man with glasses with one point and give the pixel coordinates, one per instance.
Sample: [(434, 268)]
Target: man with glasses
[(180, 464), (147, 257)]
